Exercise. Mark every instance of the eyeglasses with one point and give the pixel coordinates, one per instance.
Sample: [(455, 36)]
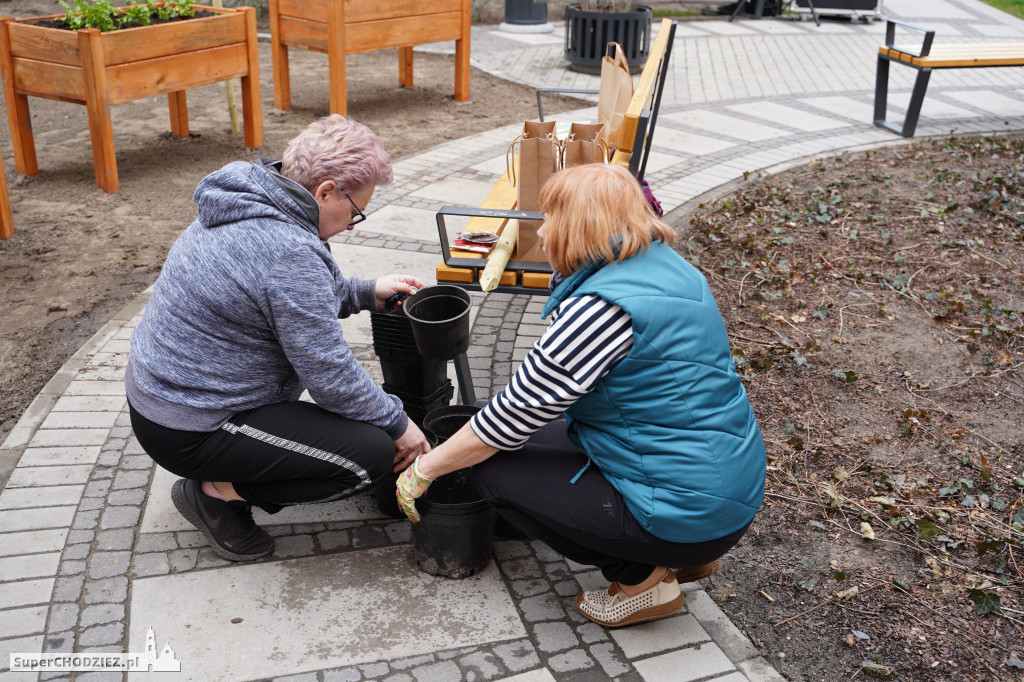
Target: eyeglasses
[(360, 216)]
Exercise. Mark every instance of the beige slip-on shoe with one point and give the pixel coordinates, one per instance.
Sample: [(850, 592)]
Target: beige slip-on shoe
[(613, 609)]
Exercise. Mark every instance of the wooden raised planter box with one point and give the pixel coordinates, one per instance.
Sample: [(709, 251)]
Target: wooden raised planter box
[(100, 69), (341, 27)]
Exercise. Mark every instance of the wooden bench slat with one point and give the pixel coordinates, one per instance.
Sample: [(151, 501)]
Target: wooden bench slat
[(952, 56), (456, 275), (536, 280), (938, 63), (641, 95)]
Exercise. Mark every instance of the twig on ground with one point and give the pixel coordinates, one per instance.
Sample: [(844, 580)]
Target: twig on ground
[(831, 599)]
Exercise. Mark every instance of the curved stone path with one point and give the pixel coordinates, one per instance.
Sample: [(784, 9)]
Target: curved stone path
[(93, 555)]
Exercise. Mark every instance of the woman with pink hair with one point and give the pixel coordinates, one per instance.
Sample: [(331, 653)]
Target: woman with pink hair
[(244, 317)]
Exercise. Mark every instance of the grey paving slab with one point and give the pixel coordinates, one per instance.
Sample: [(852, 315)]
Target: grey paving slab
[(699, 662), (285, 606), (33, 541), (659, 636), (25, 498)]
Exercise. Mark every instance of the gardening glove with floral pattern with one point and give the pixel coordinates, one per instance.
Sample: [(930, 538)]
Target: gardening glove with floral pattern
[(410, 486)]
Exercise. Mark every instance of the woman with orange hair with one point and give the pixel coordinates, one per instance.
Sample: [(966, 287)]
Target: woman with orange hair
[(659, 461)]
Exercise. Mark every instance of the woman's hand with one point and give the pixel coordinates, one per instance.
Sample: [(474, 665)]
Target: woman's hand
[(409, 446), (389, 285), (411, 486)]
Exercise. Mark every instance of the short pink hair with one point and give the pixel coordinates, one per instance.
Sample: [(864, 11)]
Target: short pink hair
[(339, 149)]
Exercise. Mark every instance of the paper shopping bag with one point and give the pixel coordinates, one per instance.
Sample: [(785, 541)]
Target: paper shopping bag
[(585, 144), (615, 93), (539, 156)]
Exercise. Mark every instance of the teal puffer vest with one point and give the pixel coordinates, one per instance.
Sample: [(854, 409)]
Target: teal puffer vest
[(670, 426)]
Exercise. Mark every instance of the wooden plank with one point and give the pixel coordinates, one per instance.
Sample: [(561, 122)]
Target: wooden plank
[(18, 118), (136, 80), (252, 111), (279, 60), (643, 90), (390, 33), (462, 54), (36, 42), (966, 63), (458, 275), (405, 66), (337, 37), (98, 104), (508, 278), (357, 11), (6, 218), (53, 81), (305, 34), (178, 105), (153, 42), (536, 280)]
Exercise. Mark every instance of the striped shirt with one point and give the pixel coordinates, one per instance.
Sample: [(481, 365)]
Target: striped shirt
[(588, 336)]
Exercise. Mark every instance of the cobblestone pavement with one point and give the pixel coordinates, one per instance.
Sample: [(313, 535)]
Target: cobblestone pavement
[(93, 555)]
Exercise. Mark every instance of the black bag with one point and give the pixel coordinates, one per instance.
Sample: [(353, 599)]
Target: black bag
[(771, 7)]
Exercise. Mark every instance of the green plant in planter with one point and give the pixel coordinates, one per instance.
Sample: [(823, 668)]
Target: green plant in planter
[(608, 5), (103, 15)]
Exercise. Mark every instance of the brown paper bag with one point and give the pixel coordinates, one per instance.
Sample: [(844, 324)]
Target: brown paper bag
[(538, 161), (585, 144), (616, 91)]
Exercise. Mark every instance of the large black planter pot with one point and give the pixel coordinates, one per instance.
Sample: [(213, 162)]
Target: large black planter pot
[(523, 12), (587, 34)]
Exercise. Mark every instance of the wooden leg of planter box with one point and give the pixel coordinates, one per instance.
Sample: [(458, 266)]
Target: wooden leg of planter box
[(101, 131), (279, 60), (405, 66), (6, 220), (252, 113), (18, 117), (336, 56), (462, 56), (179, 113)]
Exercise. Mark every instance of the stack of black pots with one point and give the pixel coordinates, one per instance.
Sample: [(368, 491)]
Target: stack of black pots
[(421, 383)]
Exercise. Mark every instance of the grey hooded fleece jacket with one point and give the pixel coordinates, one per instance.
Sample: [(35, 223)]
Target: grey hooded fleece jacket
[(245, 313)]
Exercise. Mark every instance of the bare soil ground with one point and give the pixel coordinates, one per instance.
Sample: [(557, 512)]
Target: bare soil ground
[(78, 255), (874, 302)]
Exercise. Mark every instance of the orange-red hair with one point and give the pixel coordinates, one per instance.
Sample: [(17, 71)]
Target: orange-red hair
[(597, 213)]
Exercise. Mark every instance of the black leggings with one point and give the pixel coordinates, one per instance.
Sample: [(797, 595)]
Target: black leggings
[(586, 521), (276, 455)]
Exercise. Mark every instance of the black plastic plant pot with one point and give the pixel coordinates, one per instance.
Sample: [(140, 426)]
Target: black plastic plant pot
[(526, 12), (456, 530), (440, 320), (587, 35), (443, 422), (410, 374)]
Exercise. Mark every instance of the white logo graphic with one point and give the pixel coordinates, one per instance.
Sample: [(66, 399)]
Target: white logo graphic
[(165, 662), (144, 662)]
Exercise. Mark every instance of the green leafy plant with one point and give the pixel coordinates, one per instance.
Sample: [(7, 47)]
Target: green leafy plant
[(103, 15), (607, 5)]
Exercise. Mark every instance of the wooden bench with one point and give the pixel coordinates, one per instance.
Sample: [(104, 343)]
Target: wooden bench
[(341, 27), (927, 58), (531, 277)]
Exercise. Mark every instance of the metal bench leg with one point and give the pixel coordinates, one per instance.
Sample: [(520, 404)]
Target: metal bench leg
[(881, 91), (916, 99), (462, 372)]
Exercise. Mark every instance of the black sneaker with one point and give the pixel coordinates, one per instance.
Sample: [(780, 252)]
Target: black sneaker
[(228, 526)]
